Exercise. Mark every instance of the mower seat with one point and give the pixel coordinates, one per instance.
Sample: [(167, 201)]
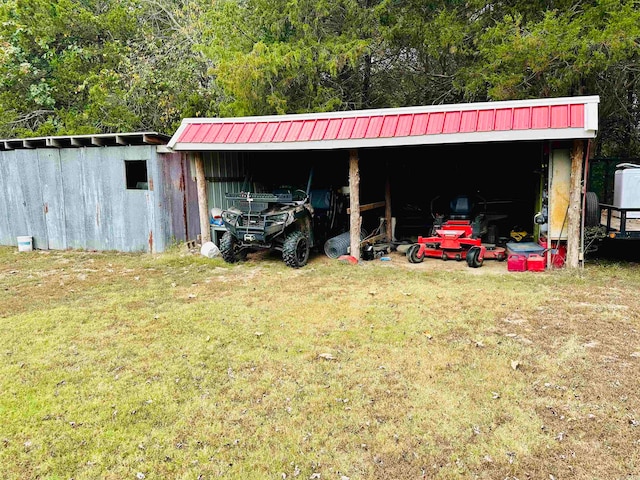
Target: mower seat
[(321, 199), (460, 208)]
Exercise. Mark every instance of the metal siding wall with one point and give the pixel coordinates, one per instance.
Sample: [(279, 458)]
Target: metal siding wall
[(53, 197), (223, 165), (26, 198), (180, 221), (71, 163), (115, 218), (138, 204), (83, 192), (173, 200), (160, 213), (113, 205), (7, 236), (105, 200), (92, 199)]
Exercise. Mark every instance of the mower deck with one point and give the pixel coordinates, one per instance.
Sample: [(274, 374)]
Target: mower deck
[(454, 241)]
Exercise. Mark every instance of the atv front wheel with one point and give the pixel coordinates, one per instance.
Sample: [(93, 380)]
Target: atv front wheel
[(230, 249), (295, 250)]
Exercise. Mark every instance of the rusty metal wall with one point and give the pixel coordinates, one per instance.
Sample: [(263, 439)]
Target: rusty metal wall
[(178, 212), (173, 194), (77, 198)]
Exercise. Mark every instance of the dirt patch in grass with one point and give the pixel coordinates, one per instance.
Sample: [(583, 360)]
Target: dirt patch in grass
[(178, 366)]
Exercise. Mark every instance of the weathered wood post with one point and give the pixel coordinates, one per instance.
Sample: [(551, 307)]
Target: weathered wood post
[(354, 199), (203, 208), (574, 214)]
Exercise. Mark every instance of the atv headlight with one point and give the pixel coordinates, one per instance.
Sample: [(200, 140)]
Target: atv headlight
[(229, 217), (278, 218)]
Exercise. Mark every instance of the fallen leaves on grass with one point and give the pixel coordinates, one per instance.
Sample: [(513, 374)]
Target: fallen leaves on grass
[(326, 356)]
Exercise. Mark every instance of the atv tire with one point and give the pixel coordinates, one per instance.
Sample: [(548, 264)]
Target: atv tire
[(230, 249), (295, 250), (412, 254)]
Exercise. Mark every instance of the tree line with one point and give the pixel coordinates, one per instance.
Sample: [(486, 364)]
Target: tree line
[(90, 66)]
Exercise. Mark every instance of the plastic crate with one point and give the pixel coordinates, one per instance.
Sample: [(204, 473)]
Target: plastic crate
[(524, 248)]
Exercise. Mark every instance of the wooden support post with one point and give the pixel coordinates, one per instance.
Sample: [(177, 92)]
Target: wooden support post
[(387, 209), (201, 181), (574, 214), (354, 199)]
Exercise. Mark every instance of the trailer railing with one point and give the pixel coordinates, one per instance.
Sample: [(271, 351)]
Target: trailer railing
[(625, 230)]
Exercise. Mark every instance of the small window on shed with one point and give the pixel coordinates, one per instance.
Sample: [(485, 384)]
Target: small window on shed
[(136, 172)]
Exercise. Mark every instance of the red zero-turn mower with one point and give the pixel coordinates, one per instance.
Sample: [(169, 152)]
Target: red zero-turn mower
[(457, 238)]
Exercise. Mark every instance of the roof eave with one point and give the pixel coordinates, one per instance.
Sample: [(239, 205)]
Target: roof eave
[(92, 140), (443, 138)]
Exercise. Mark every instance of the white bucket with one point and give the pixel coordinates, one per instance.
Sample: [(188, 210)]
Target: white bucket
[(25, 244), (210, 250)]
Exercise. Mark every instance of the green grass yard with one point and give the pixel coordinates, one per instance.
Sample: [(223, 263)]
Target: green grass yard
[(124, 366)]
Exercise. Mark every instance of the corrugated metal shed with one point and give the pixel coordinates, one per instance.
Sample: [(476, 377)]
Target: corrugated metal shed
[(540, 119), (73, 192)]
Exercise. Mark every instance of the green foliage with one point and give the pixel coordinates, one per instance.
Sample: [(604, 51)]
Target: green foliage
[(281, 57), (556, 55), (583, 50), (71, 66)]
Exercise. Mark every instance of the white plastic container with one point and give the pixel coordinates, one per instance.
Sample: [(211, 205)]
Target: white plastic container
[(25, 243), (210, 250), (626, 189)]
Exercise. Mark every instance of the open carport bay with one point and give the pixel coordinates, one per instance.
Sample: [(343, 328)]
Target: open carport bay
[(501, 180)]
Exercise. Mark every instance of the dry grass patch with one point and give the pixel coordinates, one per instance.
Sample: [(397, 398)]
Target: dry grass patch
[(177, 366)]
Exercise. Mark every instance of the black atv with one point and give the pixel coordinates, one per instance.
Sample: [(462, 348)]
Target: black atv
[(290, 220)]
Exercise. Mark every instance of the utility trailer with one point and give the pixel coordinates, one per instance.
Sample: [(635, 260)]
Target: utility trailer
[(619, 222), (622, 219)]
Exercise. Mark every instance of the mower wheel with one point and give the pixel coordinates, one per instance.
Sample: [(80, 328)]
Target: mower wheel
[(412, 254), (473, 257), (501, 257), (458, 257), (444, 257)]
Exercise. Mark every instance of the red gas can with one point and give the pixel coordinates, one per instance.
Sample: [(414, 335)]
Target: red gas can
[(535, 263), (558, 252), (517, 263)]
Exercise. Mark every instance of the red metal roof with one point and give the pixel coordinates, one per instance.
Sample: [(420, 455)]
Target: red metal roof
[(555, 118)]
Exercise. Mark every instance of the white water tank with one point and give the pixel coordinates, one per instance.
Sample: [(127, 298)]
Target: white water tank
[(626, 189)]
